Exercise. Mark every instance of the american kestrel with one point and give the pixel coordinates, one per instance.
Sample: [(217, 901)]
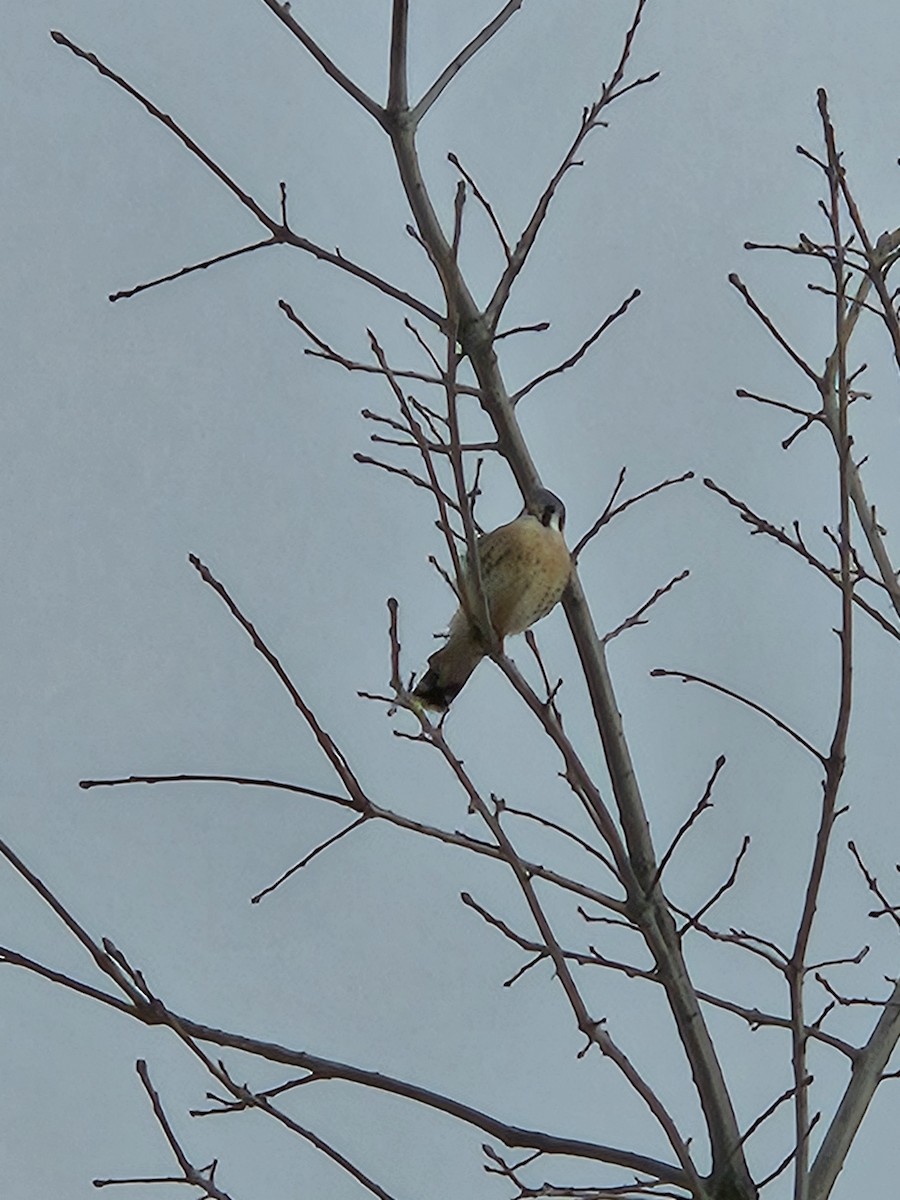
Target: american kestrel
[(525, 567)]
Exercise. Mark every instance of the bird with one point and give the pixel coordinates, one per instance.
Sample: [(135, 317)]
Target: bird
[(525, 566)]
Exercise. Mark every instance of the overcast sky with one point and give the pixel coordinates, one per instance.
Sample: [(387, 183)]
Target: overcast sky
[(187, 419)]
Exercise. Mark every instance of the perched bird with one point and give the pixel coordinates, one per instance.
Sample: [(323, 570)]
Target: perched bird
[(525, 567)]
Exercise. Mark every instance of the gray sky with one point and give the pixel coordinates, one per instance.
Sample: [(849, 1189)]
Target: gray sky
[(188, 420)]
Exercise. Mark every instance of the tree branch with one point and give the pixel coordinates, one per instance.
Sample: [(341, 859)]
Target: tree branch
[(580, 352), (331, 69), (280, 232), (687, 677), (457, 63), (389, 816), (329, 747), (398, 98)]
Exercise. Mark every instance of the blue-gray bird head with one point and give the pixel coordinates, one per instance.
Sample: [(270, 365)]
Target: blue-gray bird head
[(548, 509)]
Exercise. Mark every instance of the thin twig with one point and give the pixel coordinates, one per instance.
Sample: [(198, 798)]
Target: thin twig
[(590, 120), (394, 638), (772, 1108), (298, 866), (202, 1177), (14, 959), (448, 837), (459, 61), (538, 327), (738, 284), (329, 354), (568, 833), (873, 885), (686, 677), (344, 801), (283, 13), (102, 958), (613, 510), (367, 460), (752, 943), (759, 524), (789, 1158), (580, 352), (721, 890), (639, 616), (700, 807), (127, 293), (327, 744), (484, 202), (278, 231), (845, 961)]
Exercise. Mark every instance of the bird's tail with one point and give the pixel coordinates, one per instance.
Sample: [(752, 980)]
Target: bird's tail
[(449, 668)]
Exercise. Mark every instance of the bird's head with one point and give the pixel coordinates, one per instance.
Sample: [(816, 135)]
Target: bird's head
[(548, 509)]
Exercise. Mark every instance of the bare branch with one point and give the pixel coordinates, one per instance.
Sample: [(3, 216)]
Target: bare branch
[(743, 394), (279, 232), (329, 354), (789, 1158), (200, 266), (512, 1172), (102, 958), (846, 1001), (737, 283), (188, 142), (344, 801), (14, 959), (321, 1069), (576, 774), (283, 13), (873, 886), (366, 460), (757, 1019), (593, 1030), (876, 259), (753, 944), (398, 97), (486, 205), (490, 919), (759, 524), (548, 824), (720, 891), (590, 120), (375, 812), (613, 510), (885, 251), (394, 636), (824, 291), (539, 327), (246, 1098), (787, 1094), (686, 677), (305, 861), (866, 1075), (327, 744), (845, 961), (639, 616), (459, 61), (551, 689), (197, 1177), (700, 807), (580, 352)]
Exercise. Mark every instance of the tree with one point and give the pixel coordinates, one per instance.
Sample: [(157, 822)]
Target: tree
[(453, 351)]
